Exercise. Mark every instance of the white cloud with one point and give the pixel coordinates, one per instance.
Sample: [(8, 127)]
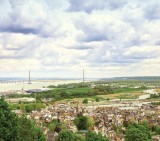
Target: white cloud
[(61, 38)]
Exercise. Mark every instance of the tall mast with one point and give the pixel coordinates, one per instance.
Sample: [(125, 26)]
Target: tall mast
[(83, 76), (29, 80)]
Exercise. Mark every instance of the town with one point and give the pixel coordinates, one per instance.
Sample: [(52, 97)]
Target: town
[(109, 118), (110, 114)]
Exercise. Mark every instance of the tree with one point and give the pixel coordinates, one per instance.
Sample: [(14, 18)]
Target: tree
[(39, 106), (53, 125), (134, 134), (144, 127), (156, 129), (138, 132), (97, 99), (66, 135), (28, 131), (39, 134), (29, 108), (85, 101), (90, 121), (107, 99), (91, 136), (8, 123), (81, 123)]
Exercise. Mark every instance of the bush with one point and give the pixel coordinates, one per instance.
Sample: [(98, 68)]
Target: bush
[(139, 132), (85, 101), (91, 136), (97, 99), (156, 129), (81, 123), (66, 135), (133, 134), (29, 108), (28, 131)]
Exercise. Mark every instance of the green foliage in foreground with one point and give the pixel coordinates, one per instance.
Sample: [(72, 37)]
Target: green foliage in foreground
[(28, 131), (138, 132), (13, 128), (66, 135), (8, 123), (135, 134), (92, 136), (156, 129)]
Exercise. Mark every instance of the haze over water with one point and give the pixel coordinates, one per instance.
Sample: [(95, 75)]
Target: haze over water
[(5, 87)]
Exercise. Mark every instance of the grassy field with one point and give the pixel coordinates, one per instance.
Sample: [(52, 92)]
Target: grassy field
[(77, 90), (158, 90), (129, 90), (132, 95)]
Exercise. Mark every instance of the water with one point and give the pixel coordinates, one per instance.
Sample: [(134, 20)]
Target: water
[(4, 79), (148, 93), (14, 86)]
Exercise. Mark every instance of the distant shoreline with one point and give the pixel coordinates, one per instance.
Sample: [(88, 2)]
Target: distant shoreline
[(61, 79)]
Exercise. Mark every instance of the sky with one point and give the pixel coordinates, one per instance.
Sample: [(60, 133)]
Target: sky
[(106, 38)]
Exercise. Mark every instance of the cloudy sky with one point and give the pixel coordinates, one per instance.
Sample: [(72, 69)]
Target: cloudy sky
[(60, 38)]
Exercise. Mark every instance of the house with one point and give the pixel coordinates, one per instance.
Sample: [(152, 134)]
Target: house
[(156, 138)]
